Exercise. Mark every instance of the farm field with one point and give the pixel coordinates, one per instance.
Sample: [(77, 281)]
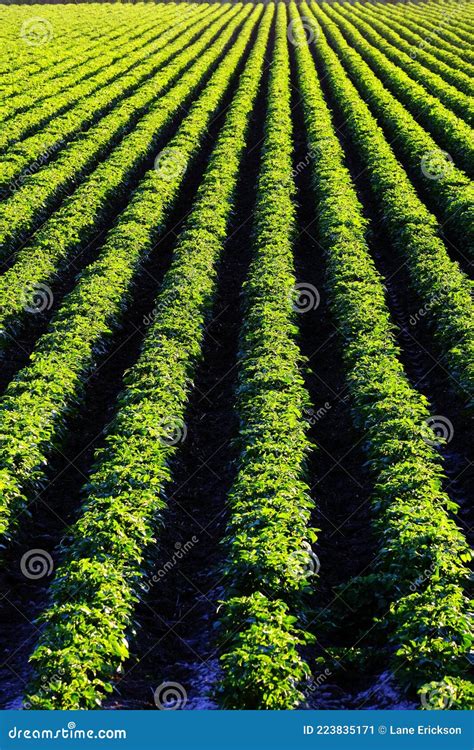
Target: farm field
[(237, 344)]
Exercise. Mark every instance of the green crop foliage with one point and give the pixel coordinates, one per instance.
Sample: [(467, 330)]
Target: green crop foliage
[(37, 404), (124, 498), (452, 194), (127, 132), (411, 510), (270, 503), (438, 281)]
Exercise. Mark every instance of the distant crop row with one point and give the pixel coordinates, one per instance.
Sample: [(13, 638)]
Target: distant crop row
[(453, 192), (93, 111), (81, 217)]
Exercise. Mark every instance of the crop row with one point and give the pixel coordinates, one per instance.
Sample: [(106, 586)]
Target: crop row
[(78, 59), (451, 53), (451, 72), (428, 628), (35, 407), (450, 130), (413, 230), (268, 555), (82, 216), (16, 54), (449, 191), (133, 53), (27, 157), (99, 581), (116, 51), (459, 32), (43, 191)]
